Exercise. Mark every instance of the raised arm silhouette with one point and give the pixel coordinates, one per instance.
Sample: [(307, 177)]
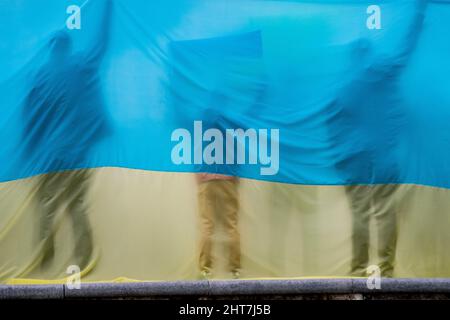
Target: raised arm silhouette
[(64, 117), (368, 128)]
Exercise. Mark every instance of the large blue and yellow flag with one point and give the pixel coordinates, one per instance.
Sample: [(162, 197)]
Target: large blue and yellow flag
[(161, 140)]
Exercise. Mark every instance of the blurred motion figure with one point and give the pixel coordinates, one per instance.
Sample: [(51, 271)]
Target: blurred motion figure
[(368, 157), (64, 118)]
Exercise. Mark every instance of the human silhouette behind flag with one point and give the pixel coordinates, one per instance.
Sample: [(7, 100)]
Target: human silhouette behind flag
[(64, 117)]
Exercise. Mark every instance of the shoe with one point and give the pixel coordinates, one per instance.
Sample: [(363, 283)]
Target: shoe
[(205, 275), (387, 270), (358, 272), (387, 273), (235, 274)]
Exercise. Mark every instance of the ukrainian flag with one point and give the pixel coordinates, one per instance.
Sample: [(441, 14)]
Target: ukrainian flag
[(346, 102)]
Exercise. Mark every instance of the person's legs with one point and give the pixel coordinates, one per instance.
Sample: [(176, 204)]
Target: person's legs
[(206, 204), (229, 206), (78, 186), (386, 218), (48, 196), (360, 200)]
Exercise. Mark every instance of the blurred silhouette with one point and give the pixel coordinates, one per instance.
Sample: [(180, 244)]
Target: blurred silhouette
[(372, 98), (64, 118), (232, 71), (369, 157)]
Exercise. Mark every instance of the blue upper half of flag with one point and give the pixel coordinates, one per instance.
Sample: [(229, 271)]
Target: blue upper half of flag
[(349, 104)]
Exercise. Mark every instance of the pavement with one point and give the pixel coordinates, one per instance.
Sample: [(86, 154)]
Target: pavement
[(341, 289)]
